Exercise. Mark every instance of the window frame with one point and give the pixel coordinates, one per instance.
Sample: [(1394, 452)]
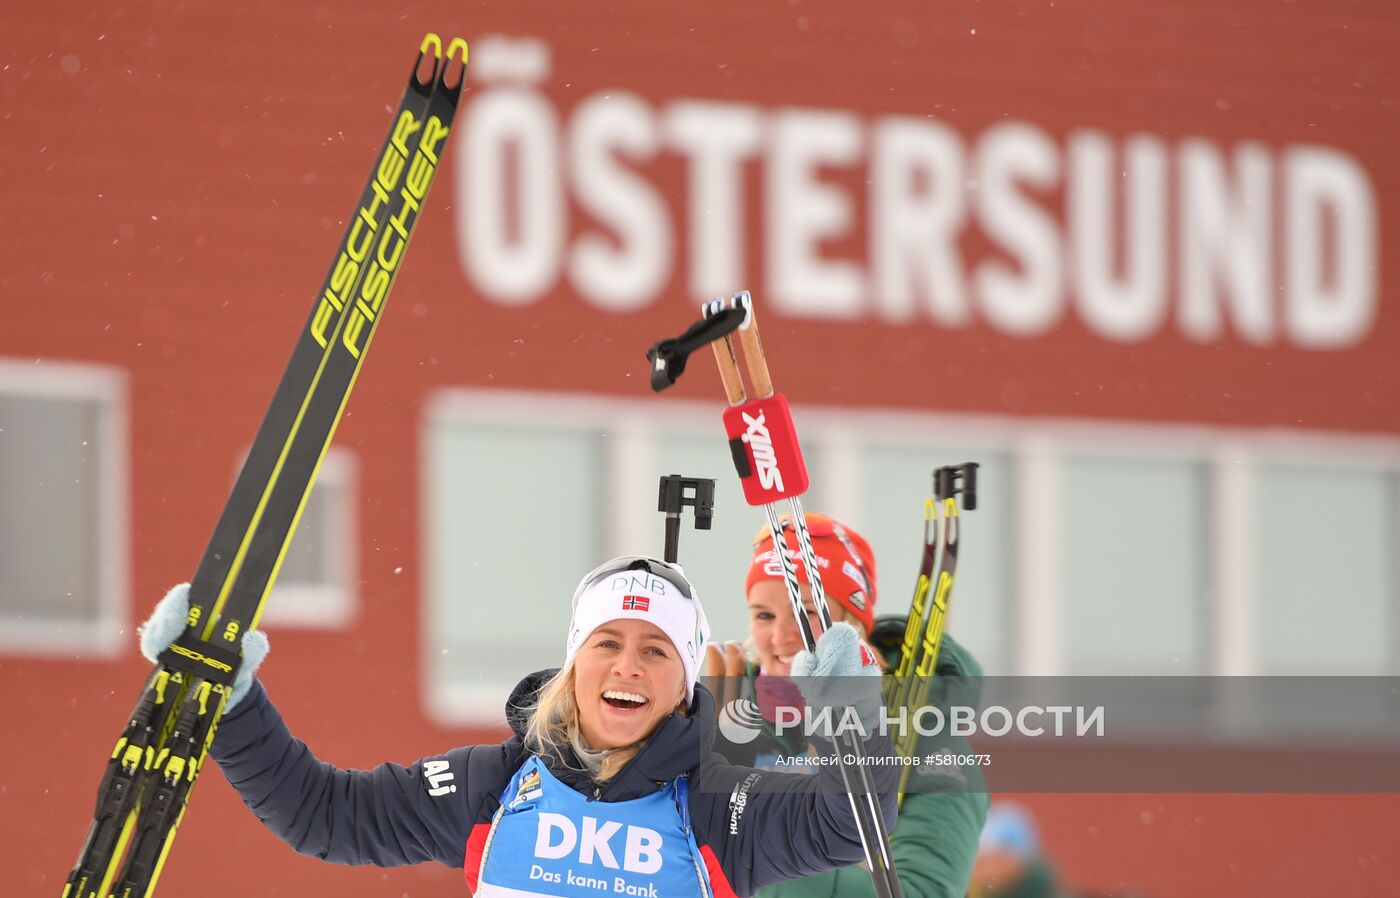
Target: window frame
[(105, 634)]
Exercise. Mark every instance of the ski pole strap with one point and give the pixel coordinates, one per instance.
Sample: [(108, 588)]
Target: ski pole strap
[(668, 357)]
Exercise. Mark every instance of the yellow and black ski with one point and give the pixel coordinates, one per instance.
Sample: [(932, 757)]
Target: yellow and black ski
[(149, 776), (923, 630)]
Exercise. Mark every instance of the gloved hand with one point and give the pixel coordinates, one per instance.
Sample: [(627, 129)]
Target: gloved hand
[(842, 673), (723, 671), (166, 624)]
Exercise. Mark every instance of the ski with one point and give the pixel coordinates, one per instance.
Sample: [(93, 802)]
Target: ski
[(918, 657), (151, 771), (918, 609)]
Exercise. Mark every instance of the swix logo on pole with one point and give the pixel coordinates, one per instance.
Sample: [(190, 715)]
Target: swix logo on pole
[(761, 446), (766, 452)]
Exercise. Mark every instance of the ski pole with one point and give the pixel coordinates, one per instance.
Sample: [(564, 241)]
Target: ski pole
[(769, 460)]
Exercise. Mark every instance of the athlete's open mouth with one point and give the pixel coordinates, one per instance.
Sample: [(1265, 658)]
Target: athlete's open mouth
[(626, 701)]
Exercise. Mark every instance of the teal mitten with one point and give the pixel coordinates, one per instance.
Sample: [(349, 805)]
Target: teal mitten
[(841, 674), (166, 624)]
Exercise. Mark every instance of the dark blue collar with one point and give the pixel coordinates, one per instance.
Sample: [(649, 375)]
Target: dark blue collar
[(677, 745)]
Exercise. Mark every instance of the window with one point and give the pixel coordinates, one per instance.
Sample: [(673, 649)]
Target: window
[(524, 494), (63, 515), (514, 512), (1134, 565), (1324, 571), (1096, 548)]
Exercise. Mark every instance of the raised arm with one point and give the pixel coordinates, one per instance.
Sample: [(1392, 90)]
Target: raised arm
[(389, 816)]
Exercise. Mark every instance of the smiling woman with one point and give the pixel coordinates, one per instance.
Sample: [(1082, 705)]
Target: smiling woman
[(632, 660), (608, 783), (934, 841)]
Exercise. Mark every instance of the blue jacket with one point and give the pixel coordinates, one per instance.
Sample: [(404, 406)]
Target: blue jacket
[(753, 827)]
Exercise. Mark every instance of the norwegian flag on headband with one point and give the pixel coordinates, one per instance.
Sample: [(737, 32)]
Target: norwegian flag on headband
[(635, 603)]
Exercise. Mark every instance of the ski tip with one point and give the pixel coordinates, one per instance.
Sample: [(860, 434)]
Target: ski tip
[(452, 77), (452, 48), (431, 40)]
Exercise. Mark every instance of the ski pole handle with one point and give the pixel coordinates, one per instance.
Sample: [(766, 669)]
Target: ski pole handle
[(766, 453), (762, 438), (754, 356)]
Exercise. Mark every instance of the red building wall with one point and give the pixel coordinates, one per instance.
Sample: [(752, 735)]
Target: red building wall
[(173, 180)]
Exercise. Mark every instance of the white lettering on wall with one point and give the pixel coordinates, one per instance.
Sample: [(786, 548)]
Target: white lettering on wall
[(511, 231), (918, 206), (1130, 304), (1226, 262), (1013, 229), (803, 211), (624, 274), (715, 139), (1328, 310), (1026, 298)]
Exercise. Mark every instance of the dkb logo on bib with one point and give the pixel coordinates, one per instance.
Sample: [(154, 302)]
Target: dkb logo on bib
[(557, 837)]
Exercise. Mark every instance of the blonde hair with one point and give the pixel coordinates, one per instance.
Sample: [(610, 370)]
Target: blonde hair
[(553, 728)]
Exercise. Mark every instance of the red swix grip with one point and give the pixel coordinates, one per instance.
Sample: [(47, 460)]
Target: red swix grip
[(765, 448)]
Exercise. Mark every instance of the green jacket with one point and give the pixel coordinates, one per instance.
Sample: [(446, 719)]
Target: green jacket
[(935, 839)]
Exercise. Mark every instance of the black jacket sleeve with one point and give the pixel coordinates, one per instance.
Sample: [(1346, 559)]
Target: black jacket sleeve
[(389, 816)]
